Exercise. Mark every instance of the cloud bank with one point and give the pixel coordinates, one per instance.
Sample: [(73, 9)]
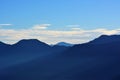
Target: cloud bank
[(74, 35)]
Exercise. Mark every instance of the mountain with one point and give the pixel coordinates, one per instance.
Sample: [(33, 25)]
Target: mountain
[(61, 46), (2, 44), (96, 60), (31, 45), (4, 48), (106, 39), (64, 44), (24, 51), (103, 45)]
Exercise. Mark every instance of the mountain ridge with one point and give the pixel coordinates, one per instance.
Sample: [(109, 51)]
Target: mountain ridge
[(102, 37), (95, 60), (65, 44), (105, 39)]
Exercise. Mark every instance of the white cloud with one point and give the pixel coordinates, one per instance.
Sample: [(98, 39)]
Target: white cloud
[(53, 36), (76, 28), (72, 26), (5, 24), (41, 26)]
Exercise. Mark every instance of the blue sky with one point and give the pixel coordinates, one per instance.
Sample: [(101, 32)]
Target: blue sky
[(61, 15)]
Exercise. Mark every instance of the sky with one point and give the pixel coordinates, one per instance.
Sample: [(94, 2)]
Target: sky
[(52, 21)]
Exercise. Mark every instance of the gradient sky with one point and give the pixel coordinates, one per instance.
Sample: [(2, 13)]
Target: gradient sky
[(70, 16)]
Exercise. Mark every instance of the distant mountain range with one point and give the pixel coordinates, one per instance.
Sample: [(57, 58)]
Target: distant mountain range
[(65, 44), (32, 59)]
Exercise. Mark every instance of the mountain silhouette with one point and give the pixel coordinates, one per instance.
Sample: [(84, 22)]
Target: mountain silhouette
[(95, 60), (4, 45), (103, 45), (31, 45), (106, 39), (64, 44), (4, 48), (24, 51)]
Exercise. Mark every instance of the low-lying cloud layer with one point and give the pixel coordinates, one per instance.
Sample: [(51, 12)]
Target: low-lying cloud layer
[(73, 35)]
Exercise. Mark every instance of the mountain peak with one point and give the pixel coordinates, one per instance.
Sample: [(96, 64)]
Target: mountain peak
[(28, 41), (64, 44), (31, 42), (106, 39), (102, 36)]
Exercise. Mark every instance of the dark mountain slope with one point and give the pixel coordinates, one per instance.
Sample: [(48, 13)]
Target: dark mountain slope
[(106, 39), (30, 46), (4, 48), (25, 51), (81, 62), (104, 46)]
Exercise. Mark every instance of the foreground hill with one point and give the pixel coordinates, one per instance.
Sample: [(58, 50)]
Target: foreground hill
[(95, 60), (24, 51)]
